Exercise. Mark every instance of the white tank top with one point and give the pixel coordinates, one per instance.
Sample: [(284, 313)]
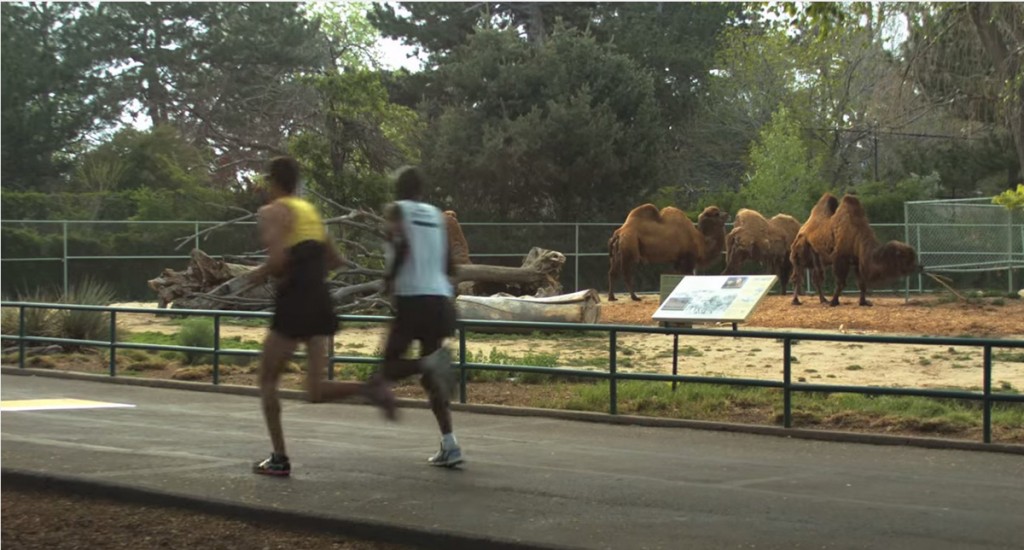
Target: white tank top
[(425, 271)]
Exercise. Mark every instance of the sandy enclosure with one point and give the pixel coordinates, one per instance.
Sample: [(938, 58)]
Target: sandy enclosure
[(729, 356)]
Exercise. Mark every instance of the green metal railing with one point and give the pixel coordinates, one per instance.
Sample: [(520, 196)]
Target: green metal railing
[(613, 376)]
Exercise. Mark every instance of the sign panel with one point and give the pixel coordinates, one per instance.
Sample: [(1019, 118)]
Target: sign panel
[(720, 298), (26, 405)]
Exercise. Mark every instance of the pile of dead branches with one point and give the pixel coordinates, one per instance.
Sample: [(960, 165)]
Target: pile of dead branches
[(222, 284)]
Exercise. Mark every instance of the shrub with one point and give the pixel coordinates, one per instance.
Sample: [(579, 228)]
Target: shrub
[(196, 332), (85, 325), (38, 322)]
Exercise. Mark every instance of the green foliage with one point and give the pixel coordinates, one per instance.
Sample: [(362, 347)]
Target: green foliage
[(154, 159), (783, 176), (1011, 199), (196, 332), (85, 325), (38, 321), (884, 203), (568, 131)]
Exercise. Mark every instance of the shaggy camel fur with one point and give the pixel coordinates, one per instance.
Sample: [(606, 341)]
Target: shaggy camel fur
[(812, 247), (856, 246), (667, 236), (457, 243), (765, 241)]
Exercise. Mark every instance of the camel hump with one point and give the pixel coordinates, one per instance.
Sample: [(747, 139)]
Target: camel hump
[(833, 203), (852, 205), (645, 212), (746, 215)]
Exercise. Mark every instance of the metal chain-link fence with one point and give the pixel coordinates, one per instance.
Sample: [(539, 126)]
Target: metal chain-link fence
[(966, 236), (977, 242)]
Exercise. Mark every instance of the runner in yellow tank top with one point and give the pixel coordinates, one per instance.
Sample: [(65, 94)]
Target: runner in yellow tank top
[(299, 255)]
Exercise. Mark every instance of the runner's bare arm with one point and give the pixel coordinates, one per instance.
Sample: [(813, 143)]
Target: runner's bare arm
[(400, 247), (273, 223)]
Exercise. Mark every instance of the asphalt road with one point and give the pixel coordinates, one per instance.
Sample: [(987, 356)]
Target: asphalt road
[(535, 480)]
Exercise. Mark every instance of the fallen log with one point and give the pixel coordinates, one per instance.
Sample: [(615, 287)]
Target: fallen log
[(538, 276), (579, 307)]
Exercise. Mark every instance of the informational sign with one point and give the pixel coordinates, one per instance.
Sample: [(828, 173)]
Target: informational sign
[(720, 298)]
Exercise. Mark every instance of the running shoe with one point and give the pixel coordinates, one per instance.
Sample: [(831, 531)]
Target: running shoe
[(273, 466), (448, 458)]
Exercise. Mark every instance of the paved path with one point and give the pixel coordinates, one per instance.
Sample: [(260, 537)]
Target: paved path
[(543, 481)]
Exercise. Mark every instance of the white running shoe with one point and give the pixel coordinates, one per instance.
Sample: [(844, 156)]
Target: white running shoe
[(448, 458)]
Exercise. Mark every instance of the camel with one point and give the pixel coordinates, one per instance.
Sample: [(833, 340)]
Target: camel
[(812, 247), (765, 241), (856, 246), (667, 236), (457, 244)]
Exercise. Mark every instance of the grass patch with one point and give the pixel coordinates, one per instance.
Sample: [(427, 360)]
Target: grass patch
[(854, 367), (1009, 356), (718, 402), (924, 361)]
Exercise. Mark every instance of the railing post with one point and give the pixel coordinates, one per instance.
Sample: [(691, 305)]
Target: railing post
[(576, 278), (113, 343), (1009, 252), (197, 235), (613, 396), (920, 277), (675, 358), (462, 364), (787, 394), (330, 358), (65, 258), (21, 337), (216, 349), (986, 415)]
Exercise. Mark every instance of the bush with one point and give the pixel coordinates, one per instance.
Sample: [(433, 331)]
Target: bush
[(85, 325), (196, 332), (38, 322)]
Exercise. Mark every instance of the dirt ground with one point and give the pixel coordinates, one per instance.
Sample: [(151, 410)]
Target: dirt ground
[(926, 366), (57, 521)]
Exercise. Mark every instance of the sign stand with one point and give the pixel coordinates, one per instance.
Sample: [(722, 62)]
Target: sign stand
[(708, 299)]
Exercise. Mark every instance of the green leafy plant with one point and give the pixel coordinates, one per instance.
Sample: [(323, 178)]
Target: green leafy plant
[(197, 332)]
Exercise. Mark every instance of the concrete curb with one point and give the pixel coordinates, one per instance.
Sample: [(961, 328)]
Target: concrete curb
[(370, 530), (579, 416)]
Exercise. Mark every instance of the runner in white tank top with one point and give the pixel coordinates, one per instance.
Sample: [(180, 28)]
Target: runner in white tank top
[(418, 276)]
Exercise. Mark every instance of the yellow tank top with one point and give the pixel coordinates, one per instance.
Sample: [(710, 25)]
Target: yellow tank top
[(306, 222)]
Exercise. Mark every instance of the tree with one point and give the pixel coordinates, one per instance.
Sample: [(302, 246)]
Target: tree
[(783, 176), (358, 135), (566, 131), (53, 95)]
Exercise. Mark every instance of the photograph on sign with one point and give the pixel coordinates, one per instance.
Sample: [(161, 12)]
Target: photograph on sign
[(714, 298)]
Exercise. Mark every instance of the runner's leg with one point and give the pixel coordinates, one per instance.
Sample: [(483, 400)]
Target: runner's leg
[(319, 390), (277, 348)]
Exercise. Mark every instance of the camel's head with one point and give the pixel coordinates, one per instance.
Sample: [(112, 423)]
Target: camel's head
[(895, 259), (712, 216)]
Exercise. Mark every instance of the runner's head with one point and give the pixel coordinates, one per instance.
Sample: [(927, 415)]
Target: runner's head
[(283, 175), (409, 184)]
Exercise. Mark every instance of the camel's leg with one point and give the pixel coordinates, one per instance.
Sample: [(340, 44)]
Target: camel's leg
[(797, 277), (784, 273), (862, 284), (818, 277), (841, 269), (629, 270)]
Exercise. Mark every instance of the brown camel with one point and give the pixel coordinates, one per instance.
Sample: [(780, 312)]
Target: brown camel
[(764, 241), (456, 240), (667, 236), (812, 247), (856, 246)]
